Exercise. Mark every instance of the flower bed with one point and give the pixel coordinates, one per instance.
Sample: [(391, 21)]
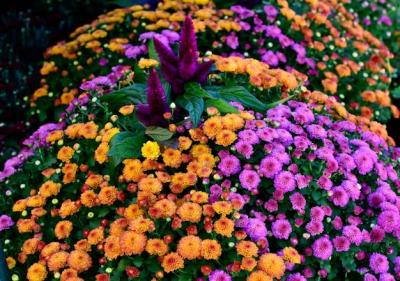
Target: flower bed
[(174, 172), (319, 38)]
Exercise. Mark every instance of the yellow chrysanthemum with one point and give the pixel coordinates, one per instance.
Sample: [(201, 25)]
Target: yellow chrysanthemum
[(291, 255), (147, 63), (151, 150), (65, 153), (133, 170), (259, 276)]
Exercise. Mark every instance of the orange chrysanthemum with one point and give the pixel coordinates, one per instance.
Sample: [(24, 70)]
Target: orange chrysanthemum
[(36, 272), (156, 247), (224, 227), (132, 243), (272, 264), (210, 249), (259, 276), (247, 249), (63, 229), (189, 247), (190, 212), (57, 261), (112, 248), (79, 260), (172, 262)]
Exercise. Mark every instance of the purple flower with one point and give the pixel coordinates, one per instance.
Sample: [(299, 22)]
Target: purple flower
[(133, 52), (270, 58), (256, 229), (377, 234), (271, 12), (364, 159), (322, 248), (389, 220), (341, 243), (281, 229), (229, 165), (298, 201), (151, 114), (270, 166), (244, 149), (249, 136), (5, 222), (314, 227), (219, 275), (339, 196), (232, 41), (353, 233), (296, 277), (285, 181), (386, 277), (249, 179), (378, 263)]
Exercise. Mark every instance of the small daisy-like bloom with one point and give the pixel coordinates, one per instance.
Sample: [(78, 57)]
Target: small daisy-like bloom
[(57, 261), (68, 274), (133, 170), (225, 138), (172, 158), (244, 148), (247, 249), (222, 208), (341, 243), (108, 195), (156, 247), (298, 201), (224, 227), (212, 126), (49, 188), (229, 165), (199, 197), (248, 264), (147, 63), (219, 275), (65, 153), (112, 248), (11, 262), (126, 109), (88, 198), (172, 262), (270, 166), (133, 211), (79, 260), (50, 249), (151, 150), (272, 264), (132, 243), (291, 255), (378, 263), (285, 181), (96, 235), (190, 212), (165, 208), (149, 184), (63, 229), (36, 272), (30, 246), (281, 229), (189, 247), (249, 179), (259, 275), (322, 248), (210, 249), (100, 155)]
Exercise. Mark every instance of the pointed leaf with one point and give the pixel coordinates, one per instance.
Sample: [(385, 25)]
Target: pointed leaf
[(194, 89), (133, 94), (243, 96), (158, 133), (125, 145), (221, 105), (194, 106)]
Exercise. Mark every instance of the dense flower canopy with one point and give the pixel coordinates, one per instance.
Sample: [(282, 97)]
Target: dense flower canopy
[(244, 147)]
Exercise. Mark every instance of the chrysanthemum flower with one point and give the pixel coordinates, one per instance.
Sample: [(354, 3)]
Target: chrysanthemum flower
[(172, 262), (189, 247)]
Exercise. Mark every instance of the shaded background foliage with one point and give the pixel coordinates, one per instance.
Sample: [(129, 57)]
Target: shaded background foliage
[(27, 28)]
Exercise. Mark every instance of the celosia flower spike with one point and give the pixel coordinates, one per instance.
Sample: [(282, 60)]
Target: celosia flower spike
[(178, 70), (151, 114)]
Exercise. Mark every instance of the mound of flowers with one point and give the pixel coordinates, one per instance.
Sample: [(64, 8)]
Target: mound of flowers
[(173, 172), (319, 38)]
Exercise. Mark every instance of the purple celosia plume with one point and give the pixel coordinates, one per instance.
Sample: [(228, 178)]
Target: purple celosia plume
[(152, 113), (180, 69)]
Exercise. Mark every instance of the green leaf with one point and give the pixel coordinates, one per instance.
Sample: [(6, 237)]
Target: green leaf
[(172, 143), (193, 105), (243, 96), (125, 145), (273, 104), (123, 263), (221, 105), (133, 94), (152, 51), (194, 89), (396, 93), (158, 133)]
